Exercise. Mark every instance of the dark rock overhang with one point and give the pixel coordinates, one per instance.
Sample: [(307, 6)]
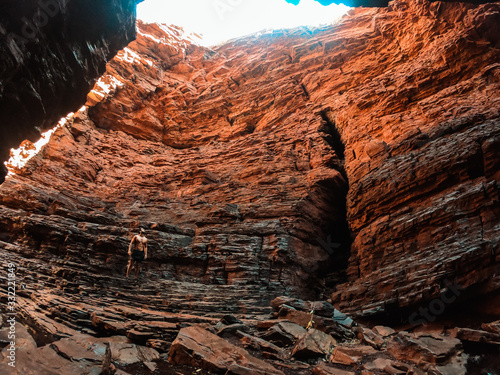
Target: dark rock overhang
[(52, 52)]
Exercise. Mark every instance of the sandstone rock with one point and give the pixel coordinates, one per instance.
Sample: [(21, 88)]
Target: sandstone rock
[(388, 366), (30, 360), (321, 308), (197, 347), (324, 369), (456, 368), (20, 331), (472, 335), (87, 348), (323, 324), (424, 348), (493, 327), (383, 331), (140, 335), (269, 349), (350, 354), (45, 361), (284, 333), (159, 345), (80, 348), (314, 344), (371, 338), (151, 366), (294, 367)]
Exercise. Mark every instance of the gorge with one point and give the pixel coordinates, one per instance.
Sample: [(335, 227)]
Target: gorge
[(282, 179)]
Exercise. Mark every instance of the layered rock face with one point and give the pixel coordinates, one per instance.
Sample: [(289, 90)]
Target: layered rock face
[(229, 194), (421, 136), (237, 161), (52, 52)]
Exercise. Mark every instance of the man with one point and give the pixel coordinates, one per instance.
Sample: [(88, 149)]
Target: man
[(137, 252)]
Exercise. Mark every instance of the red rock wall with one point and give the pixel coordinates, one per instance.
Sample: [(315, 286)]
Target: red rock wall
[(231, 158)]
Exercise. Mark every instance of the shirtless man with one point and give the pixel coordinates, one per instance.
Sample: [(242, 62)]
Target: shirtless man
[(137, 252)]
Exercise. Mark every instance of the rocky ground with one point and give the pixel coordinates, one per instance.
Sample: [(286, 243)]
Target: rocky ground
[(297, 337), (353, 164)]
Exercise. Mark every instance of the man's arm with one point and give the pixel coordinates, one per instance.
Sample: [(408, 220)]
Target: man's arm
[(146, 249), (130, 246)]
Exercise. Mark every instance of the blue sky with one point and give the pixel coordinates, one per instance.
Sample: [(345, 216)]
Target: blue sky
[(220, 20)]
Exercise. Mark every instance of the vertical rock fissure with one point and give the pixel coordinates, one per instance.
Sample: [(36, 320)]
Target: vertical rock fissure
[(336, 230), (333, 136)]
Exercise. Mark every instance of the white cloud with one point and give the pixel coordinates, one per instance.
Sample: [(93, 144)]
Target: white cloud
[(220, 20)]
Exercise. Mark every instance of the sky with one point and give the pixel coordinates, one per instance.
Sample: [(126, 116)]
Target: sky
[(221, 20)]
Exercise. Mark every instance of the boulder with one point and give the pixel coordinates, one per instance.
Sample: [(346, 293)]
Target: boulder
[(324, 369), (326, 325), (369, 337), (21, 333), (314, 343), (350, 354), (383, 331), (268, 349), (160, 345), (449, 369), (473, 335), (195, 346), (87, 348), (424, 348), (387, 365), (45, 361), (284, 333)]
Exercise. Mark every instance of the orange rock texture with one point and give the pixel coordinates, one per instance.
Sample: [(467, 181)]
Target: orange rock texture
[(359, 159)]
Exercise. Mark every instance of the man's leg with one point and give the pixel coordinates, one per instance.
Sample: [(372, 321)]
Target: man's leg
[(137, 269), (130, 263)]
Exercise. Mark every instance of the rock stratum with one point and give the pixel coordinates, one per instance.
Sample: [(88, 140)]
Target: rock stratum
[(356, 162)]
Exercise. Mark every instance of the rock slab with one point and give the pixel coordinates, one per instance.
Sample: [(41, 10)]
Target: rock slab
[(196, 346)]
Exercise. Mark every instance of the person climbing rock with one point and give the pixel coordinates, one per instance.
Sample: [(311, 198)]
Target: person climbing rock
[(137, 252)]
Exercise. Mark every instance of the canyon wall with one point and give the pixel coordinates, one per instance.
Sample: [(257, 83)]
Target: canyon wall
[(358, 160), (52, 52)]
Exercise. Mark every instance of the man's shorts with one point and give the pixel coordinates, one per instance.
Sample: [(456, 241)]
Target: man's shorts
[(138, 256)]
